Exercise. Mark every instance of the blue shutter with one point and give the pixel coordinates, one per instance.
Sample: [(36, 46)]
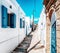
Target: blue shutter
[(12, 20), (4, 17), (20, 22), (24, 24)]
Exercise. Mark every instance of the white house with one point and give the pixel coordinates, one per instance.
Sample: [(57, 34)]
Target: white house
[(12, 25)]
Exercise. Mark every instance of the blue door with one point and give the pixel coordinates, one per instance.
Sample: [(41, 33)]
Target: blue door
[(4, 17), (53, 38)]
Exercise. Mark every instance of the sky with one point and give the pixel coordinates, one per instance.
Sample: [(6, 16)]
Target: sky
[(28, 6)]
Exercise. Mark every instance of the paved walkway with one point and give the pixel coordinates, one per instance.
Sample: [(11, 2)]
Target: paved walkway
[(39, 48)]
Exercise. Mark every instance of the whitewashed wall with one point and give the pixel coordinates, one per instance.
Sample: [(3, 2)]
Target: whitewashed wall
[(42, 27), (10, 37)]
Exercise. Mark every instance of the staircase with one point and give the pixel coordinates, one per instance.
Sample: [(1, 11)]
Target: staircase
[(22, 48)]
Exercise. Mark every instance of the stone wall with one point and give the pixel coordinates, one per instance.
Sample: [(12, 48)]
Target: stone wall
[(58, 25)]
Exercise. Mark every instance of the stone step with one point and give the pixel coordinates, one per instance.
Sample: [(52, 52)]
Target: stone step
[(24, 45), (20, 49), (27, 38), (17, 52), (26, 42)]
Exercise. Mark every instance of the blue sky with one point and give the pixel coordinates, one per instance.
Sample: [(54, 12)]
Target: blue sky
[(28, 6)]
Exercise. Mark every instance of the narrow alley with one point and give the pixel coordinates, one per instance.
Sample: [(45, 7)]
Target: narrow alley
[(29, 26)]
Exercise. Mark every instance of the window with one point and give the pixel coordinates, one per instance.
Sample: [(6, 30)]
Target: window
[(20, 22), (8, 20), (12, 20)]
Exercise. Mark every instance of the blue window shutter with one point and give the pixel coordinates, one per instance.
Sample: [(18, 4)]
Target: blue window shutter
[(20, 22), (4, 17), (24, 24), (12, 21)]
